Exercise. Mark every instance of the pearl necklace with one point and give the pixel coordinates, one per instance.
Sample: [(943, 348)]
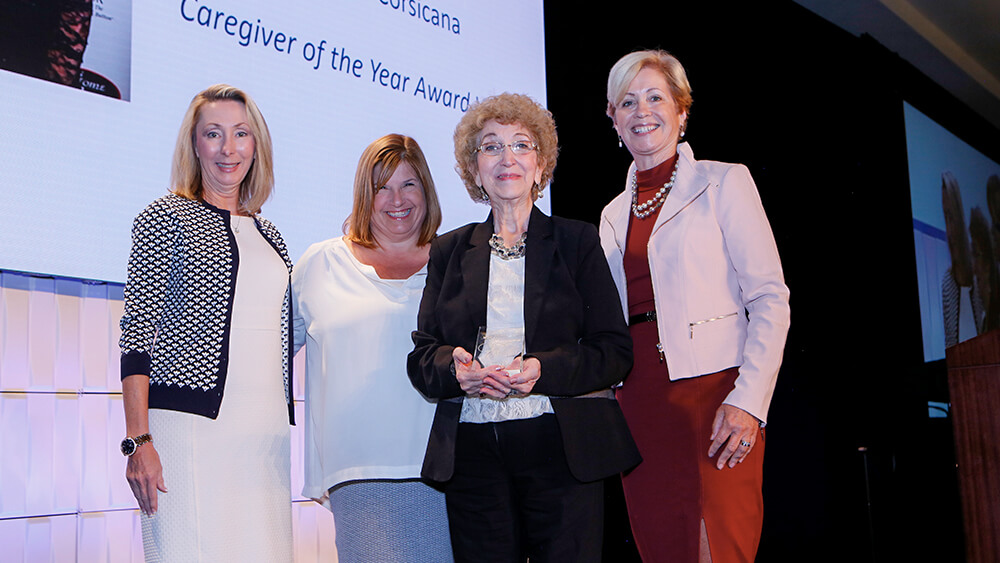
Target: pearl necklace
[(508, 252), (641, 211)]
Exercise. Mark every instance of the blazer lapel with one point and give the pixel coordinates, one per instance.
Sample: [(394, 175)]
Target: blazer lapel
[(476, 273), (539, 253), (689, 185)]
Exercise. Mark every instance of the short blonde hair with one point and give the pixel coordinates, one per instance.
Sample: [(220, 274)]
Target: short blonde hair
[(185, 173), (627, 67), (377, 164), (505, 109)]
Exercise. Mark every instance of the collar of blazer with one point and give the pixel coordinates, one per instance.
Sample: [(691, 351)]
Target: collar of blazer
[(539, 253), (690, 184)]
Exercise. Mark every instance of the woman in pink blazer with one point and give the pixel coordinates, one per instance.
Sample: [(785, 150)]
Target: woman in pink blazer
[(697, 270)]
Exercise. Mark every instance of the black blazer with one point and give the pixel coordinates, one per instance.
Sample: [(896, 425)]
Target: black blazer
[(574, 326)]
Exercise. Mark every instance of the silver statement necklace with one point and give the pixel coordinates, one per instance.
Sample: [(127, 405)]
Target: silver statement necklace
[(516, 250), (641, 211)]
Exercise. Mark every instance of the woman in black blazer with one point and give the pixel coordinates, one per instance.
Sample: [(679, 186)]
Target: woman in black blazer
[(521, 439)]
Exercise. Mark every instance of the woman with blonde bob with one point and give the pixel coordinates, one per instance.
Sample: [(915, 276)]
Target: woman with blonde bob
[(206, 370), (520, 339), (186, 174), (355, 302), (699, 279)]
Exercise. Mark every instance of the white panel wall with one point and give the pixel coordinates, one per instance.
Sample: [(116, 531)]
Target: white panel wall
[(63, 495)]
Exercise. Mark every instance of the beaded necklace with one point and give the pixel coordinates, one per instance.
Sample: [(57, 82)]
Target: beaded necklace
[(641, 211), (508, 252)]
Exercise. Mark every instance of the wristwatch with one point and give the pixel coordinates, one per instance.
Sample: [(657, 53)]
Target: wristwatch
[(129, 444)]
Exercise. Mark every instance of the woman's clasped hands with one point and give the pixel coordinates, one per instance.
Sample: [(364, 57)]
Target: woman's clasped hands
[(516, 379)]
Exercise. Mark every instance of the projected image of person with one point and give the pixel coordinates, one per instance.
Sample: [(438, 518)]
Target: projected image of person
[(959, 303), (45, 39), (355, 299), (206, 371), (699, 278), (993, 205), (520, 338), (985, 278)]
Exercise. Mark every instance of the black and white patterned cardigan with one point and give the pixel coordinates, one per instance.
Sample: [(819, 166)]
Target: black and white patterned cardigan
[(178, 304)]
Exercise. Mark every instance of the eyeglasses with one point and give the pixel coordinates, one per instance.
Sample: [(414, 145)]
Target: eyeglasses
[(516, 147)]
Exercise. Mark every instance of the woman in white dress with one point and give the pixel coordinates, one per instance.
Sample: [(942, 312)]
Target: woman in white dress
[(355, 303), (206, 376)]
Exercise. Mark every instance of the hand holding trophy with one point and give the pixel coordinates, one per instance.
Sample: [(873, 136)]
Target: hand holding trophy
[(501, 352)]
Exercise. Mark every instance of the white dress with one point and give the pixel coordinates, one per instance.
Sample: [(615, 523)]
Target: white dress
[(228, 479)]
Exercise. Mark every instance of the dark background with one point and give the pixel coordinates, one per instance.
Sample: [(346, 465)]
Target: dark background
[(855, 470)]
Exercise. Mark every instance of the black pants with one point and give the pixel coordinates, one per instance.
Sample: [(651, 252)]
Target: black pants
[(512, 496)]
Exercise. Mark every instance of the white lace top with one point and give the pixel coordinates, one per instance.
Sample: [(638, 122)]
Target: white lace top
[(505, 341)]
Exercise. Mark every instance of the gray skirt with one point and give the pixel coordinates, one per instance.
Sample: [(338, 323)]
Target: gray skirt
[(390, 521)]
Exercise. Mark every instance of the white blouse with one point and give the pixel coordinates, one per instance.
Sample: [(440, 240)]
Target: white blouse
[(505, 341), (364, 420)]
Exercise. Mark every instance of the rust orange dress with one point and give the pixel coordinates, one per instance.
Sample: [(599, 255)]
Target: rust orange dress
[(677, 485)]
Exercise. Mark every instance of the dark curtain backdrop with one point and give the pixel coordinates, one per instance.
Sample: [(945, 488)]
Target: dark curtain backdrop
[(855, 470)]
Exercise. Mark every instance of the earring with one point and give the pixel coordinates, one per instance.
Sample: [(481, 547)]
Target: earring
[(619, 141)]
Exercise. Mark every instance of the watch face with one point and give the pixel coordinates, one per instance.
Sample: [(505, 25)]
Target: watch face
[(128, 446)]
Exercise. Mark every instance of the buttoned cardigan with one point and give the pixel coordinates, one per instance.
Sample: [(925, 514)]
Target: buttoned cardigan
[(178, 304)]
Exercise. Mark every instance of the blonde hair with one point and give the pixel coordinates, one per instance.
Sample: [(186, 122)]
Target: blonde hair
[(185, 173), (506, 109), (625, 70), (377, 164)]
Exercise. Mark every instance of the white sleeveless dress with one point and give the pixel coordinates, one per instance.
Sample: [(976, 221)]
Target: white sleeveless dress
[(229, 479)]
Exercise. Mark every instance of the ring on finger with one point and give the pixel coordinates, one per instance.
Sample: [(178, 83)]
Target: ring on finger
[(744, 443)]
